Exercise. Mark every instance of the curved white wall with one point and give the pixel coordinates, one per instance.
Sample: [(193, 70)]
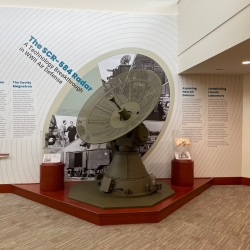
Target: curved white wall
[(78, 38)]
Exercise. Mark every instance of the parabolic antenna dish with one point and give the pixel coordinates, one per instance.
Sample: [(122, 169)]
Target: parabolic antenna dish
[(138, 91)]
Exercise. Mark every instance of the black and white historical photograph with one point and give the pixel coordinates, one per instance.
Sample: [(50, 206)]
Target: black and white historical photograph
[(82, 160), (154, 129), (61, 131), (160, 112), (116, 65), (87, 163)]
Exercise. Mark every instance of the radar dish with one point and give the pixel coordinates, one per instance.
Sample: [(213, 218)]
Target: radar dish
[(125, 59), (136, 91), (114, 114)]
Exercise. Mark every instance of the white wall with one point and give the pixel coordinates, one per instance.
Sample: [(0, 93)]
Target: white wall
[(82, 39), (217, 151), (246, 127), (207, 28), (197, 18)]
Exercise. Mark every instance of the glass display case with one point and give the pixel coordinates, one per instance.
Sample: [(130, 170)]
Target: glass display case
[(182, 145), (52, 149)]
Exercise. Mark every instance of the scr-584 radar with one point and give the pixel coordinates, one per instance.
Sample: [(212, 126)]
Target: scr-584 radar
[(115, 115)]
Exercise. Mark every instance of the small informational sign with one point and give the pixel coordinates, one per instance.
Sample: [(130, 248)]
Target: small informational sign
[(185, 155), (49, 158)]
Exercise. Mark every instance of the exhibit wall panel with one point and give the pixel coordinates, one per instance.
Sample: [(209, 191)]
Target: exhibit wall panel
[(245, 127), (209, 111), (51, 65), (42, 49)]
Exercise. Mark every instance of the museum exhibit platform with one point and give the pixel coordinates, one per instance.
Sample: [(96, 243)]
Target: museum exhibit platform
[(59, 200)]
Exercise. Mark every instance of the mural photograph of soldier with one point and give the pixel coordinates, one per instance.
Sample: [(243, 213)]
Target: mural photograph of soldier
[(160, 111), (62, 133), (71, 132)]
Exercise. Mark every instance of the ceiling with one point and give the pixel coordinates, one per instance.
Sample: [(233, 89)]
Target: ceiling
[(227, 62)]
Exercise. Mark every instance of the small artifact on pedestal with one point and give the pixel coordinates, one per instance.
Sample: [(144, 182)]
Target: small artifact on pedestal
[(182, 145)]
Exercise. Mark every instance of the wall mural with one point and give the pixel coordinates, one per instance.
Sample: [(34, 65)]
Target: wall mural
[(62, 131), (52, 61)]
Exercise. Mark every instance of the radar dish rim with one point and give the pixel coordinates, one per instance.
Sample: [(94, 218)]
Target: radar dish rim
[(85, 120)]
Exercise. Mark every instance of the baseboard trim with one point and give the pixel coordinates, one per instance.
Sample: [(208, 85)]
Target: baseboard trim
[(6, 188), (245, 181), (227, 180)]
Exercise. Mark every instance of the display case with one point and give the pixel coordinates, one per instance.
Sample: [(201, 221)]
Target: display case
[(182, 166), (181, 145), (52, 166)]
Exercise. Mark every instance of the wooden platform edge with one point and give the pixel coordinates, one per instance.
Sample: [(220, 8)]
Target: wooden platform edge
[(58, 205), (124, 218), (131, 217), (184, 200)]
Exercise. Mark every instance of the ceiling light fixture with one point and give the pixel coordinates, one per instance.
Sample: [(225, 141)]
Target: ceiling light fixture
[(246, 62)]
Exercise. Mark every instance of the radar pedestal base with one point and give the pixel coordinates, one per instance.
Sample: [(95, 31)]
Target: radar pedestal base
[(128, 177), (87, 192), (126, 172)]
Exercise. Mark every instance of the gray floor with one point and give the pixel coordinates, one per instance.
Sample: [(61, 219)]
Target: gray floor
[(217, 219)]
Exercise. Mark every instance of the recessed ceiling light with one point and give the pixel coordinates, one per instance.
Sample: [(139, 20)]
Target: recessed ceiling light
[(246, 62)]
